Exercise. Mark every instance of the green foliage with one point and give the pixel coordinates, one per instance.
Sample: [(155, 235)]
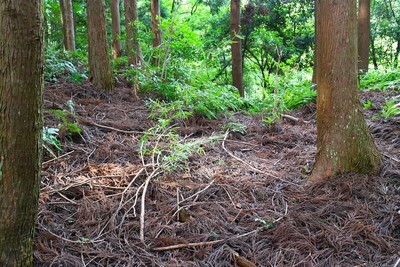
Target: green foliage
[(381, 79), (64, 65), (391, 108), (50, 140), (367, 104), (68, 126), (235, 127), (265, 224), (163, 144)]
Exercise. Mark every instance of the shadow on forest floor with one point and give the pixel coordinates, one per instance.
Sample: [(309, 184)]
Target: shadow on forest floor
[(244, 202)]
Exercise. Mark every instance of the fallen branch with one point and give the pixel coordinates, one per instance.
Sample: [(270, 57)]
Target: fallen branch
[(187, 245), (209, 243), (57, 158), (114, 129)]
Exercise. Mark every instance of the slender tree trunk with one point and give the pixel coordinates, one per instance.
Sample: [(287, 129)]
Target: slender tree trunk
[(100, 73), (396, 55), (236, 47), (315, 68), (21, 88), (155, 28), (373, 53), (344, 143), (116, 29), (68, 26), (133, 48), (364, 16)]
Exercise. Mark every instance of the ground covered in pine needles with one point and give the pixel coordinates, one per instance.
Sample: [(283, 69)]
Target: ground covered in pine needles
[(243, 200)]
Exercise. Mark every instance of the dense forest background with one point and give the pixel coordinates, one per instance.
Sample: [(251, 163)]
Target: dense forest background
[(195, 67)]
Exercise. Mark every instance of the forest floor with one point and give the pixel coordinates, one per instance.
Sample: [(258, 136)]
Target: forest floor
[(244, 201)]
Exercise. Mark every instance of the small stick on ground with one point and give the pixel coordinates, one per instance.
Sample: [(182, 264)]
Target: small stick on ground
[(57, 158), (209, 243)]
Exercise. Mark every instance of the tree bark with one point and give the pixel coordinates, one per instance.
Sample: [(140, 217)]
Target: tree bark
[(364, 16), (344, 143), (155, 28), (68, 26), (100, 73), (133, 48), (315, 68), (236, 47), (116, 29), (21, 88)]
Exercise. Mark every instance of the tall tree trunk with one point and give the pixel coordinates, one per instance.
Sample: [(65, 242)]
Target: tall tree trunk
[(155, 28), (373, 53), (315, 68), (236, 47), (132, 42), (344, 143), (100, 73), (116, 29), (21, 88), (396, 55), (68, 26), (364, 18)]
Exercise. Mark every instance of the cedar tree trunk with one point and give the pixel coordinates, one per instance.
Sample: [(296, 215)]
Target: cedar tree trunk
[(21, 88), (100, 73), (133, 49), (155, 28), (363, 35), (344, 143), (68, 27), (116, 29), (236, 47)]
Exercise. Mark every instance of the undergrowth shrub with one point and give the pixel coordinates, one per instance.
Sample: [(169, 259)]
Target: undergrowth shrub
[(70, 66), (381, 79)]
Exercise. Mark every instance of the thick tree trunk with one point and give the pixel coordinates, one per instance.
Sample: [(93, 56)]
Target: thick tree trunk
[(133, 49), (21, 88), (364, 15), (155, 28), (116, 29), (68, 26), (344, 143), (100, 73), (236, 47)]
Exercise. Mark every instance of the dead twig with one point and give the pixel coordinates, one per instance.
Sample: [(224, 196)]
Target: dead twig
[(57, 158), (114, 129), (209, 243)]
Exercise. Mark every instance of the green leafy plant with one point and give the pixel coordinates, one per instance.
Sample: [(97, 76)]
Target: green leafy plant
[(50, 140), (69, 126), (163, 144), (67, 65), (391, 108), (367, 104), (381, 79), (265, 224)]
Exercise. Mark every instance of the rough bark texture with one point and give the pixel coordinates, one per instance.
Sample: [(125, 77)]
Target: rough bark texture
[(155, 28), (236, 47), (21, 88), (116, 29), (363, 34), (133, 48), (68, 26), (344, 143), (99, 62)]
